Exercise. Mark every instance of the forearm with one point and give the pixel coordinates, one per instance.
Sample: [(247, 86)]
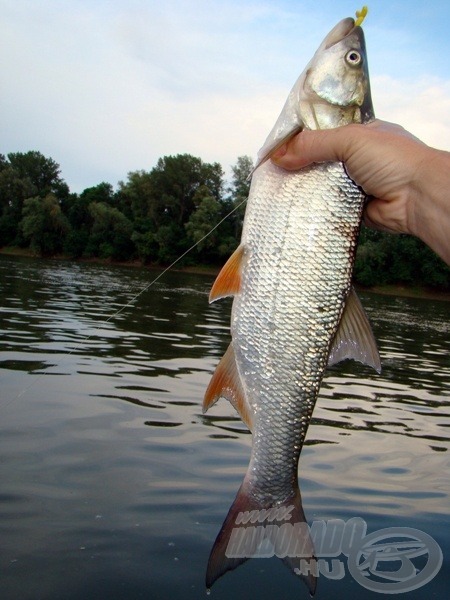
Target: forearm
[(430, 219)]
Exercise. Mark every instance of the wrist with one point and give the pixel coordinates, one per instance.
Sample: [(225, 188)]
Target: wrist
[(430, 217)]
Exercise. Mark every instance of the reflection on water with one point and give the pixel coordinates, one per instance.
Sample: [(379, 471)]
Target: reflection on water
[(113, 483)]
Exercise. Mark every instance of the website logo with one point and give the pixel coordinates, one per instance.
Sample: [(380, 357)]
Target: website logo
[(395, 560), (388, 561)]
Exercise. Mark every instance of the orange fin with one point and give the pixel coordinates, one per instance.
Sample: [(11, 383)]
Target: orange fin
[(354, 338), (226, 383), (228, 281), (250, 531)]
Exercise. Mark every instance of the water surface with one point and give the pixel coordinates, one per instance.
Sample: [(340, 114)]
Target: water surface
[(114, 485)]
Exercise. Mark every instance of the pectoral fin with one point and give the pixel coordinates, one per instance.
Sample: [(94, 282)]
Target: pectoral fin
[(289, 123), (228, 281), (354, 338), (270, 148), (226, 383)]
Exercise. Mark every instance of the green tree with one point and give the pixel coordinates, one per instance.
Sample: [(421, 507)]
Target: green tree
[(213, 243), (147, 245), (383, 258), (13, 192), (169, 243), (41, 172), (240, 182), (80, 218), (44, 225), (22, 176), (371, 263), (434, 271), (102, 192), (239, 191), (175, 181), (110, 235), (163, 200), (202, 220), (137, 200), (135, 196)]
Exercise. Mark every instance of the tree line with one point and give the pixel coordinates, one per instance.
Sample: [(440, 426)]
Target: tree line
[(156, 216)]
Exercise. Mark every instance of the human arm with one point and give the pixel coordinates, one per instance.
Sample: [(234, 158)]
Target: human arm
[(408, 182)]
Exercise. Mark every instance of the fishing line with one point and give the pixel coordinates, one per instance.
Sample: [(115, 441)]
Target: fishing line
[(133, 300), (40, 376)]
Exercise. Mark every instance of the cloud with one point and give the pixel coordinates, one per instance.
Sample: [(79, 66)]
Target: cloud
[(106, 91), (422, 106), (108, 87)]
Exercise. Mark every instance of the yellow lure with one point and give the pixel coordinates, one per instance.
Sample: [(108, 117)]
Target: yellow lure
[(361, 15)]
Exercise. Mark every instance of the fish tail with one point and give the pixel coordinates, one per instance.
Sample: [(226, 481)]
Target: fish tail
[(255, 530)]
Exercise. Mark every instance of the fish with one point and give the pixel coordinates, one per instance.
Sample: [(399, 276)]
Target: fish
[(294, 310)]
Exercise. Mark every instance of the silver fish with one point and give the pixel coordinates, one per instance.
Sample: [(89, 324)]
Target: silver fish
[(294, 309)]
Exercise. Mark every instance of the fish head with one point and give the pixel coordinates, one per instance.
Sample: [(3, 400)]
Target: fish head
[(336, 88), (333, 90)]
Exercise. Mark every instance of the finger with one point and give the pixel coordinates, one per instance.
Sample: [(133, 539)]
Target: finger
[(374, 217), (313, 146)]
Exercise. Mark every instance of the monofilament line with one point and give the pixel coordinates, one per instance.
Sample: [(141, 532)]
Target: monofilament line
[(40, 376), (133, 300)]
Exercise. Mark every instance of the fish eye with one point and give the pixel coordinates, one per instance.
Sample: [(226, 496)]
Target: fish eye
[(353, 58)]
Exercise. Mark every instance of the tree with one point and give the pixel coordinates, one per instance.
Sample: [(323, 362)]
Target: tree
[(80, 218), (203, 219), (213, 243), (170, 244), (102, 192), (147, 246), (44, 224), (175, 180), (163, 201), (240, 183), (13, 192), (41, 172), (239, 190), (383, 258), (22, 176), (110, 235), (135, 196)]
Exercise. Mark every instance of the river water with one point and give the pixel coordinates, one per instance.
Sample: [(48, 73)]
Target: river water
[(113, 485)]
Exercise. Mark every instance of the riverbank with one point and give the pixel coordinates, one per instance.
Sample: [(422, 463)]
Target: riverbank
[(388, 290)]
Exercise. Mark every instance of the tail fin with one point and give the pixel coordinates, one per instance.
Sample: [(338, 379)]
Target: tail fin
[(254, 530)]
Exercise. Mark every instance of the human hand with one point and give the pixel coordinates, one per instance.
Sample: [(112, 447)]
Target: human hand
[(408, 183)]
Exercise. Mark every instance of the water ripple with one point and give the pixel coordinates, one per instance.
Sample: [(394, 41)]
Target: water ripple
[(117, 430)]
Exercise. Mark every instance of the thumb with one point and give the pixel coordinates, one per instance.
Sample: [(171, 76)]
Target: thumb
[(313, 146)]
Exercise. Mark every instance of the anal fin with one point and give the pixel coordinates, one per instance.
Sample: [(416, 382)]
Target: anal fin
[(226, 383), (354, 338)]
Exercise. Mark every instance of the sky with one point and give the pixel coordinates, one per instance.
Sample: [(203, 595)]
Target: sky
[(106, 87)]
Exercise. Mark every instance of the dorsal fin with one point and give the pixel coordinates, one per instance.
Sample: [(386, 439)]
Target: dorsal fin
[(228, 281), (226, 383), (354, 338)]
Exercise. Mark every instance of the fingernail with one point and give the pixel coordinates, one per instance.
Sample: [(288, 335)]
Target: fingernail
[(280, 152)]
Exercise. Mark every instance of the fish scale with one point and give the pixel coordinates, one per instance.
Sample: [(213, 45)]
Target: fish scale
[(307, 283)]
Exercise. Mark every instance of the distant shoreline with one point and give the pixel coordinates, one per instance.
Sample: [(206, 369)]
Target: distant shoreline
[(387, 290)]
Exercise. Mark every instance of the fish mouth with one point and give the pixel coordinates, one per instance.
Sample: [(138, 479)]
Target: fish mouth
[(341, 31)]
